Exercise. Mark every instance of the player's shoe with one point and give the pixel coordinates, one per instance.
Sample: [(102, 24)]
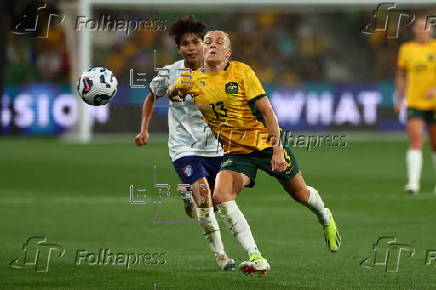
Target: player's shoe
[(188, 201), (411, 189), (225, 263), (331, 234), (257, 264)]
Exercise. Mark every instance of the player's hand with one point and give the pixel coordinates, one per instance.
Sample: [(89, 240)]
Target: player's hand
[(278, 162), (397, 108), (174, 95), (142, 138)]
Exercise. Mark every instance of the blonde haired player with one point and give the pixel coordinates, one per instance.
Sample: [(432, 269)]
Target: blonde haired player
[(242, 118), (415, 80)]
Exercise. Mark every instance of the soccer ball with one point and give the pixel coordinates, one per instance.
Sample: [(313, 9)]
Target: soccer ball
[(97, 86)]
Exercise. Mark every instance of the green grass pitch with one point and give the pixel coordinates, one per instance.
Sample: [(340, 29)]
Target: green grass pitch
[(78, 197)]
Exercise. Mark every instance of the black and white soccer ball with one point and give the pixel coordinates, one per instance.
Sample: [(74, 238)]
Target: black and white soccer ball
[(97, 86)]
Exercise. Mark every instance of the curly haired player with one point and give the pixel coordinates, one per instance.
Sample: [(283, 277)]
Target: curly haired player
[(196, 160)]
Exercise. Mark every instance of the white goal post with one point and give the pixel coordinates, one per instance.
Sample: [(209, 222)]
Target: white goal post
[(85, 125)]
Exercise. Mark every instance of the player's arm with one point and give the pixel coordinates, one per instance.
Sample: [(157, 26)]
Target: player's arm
[(147, 113), (158, 86), (178, 91), (400, 87), (263, 105), (401, 78), (254, 92)]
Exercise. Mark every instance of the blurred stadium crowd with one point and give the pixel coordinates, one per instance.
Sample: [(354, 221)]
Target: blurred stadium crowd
[(283, 46)]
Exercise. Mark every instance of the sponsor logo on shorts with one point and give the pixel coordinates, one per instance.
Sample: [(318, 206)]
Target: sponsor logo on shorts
[(187, 170), (226, 163)]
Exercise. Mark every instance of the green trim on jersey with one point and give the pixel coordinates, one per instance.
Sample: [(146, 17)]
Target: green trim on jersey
[(256, 113)]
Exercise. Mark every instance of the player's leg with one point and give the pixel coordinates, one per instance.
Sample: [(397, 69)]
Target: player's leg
[(207, 221), (432, 132), (198, 196), (306, 195), (415, 128), (292, 181), (310, 198), (189, 169), (229, 184)]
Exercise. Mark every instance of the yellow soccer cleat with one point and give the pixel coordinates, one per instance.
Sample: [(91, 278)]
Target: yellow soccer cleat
[(331, 234)]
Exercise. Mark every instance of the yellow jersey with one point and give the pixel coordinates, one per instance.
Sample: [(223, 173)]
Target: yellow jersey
[(226, 100), (419, 61)]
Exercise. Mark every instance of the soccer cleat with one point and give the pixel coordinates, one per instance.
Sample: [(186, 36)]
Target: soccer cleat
[(257, 264), (190, 207), (331, 234), (411, 189), (225, 263)]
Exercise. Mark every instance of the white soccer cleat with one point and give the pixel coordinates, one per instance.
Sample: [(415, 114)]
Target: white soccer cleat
[(258, 265), (225, 263), (411, 188)]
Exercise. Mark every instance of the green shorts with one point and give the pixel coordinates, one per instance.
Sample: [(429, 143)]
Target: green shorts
[(249, 163), (428, 116)]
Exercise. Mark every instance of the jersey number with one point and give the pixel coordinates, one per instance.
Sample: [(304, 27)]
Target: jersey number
[(219, 110)]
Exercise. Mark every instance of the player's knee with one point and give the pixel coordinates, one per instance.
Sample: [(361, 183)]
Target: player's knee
[(415, 143), (204, 194), (416, 146), (222, 196)]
